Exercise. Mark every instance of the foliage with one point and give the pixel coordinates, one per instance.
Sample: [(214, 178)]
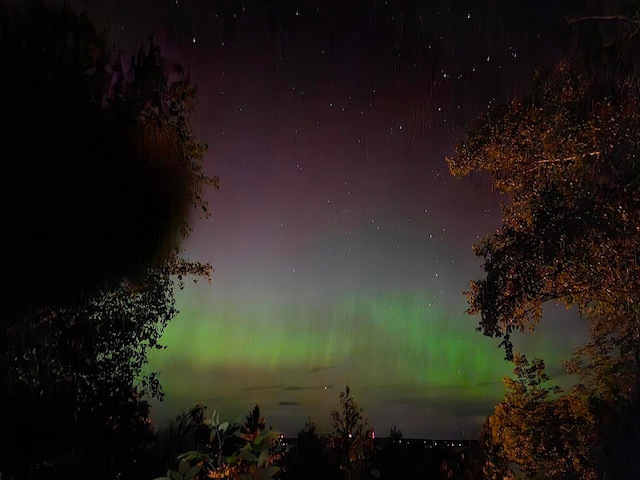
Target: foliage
[(102, 346), (168, 130), (307, 459), (608, 42), (85, 366), (350, 438), (96, 190), (537, 431), (395, 434), (101, 174), (254, 456), (567, 159), (607, 367)]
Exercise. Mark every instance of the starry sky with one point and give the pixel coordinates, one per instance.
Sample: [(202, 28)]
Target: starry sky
[(342, 246)]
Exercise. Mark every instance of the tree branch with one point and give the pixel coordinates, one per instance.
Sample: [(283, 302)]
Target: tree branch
[(573, 158), (607, 18)]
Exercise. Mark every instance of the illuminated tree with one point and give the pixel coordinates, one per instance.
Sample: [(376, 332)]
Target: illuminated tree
[(538, 432), (567, 159)]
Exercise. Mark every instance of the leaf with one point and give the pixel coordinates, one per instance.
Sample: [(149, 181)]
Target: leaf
[(190, 455), (192, 472), (265, 473), (215, 418), (262, 458), (265, 440), (183, 466), (247, 455)]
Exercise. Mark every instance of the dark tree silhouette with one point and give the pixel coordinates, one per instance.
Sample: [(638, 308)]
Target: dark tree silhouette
[(91, 191), (100, 169)]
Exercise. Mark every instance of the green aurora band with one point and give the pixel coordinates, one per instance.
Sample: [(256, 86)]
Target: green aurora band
[(401, 353)]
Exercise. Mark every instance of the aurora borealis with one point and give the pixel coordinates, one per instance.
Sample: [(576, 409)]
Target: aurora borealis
[(341, 243)]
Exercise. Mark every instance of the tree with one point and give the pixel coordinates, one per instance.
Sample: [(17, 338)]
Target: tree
[(350, 438), (101, 165), (305, 460), (538, 432), (101, 176), (609, 42), (566, 157), (607, 368)]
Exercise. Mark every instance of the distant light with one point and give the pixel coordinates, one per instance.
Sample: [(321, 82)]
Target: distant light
[(193, 39)]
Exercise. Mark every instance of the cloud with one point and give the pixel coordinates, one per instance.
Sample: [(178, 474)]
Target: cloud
[(321, 369), (269, 387), (309, 387)]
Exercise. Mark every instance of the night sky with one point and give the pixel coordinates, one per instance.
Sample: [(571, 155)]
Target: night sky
[(341, 243)]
